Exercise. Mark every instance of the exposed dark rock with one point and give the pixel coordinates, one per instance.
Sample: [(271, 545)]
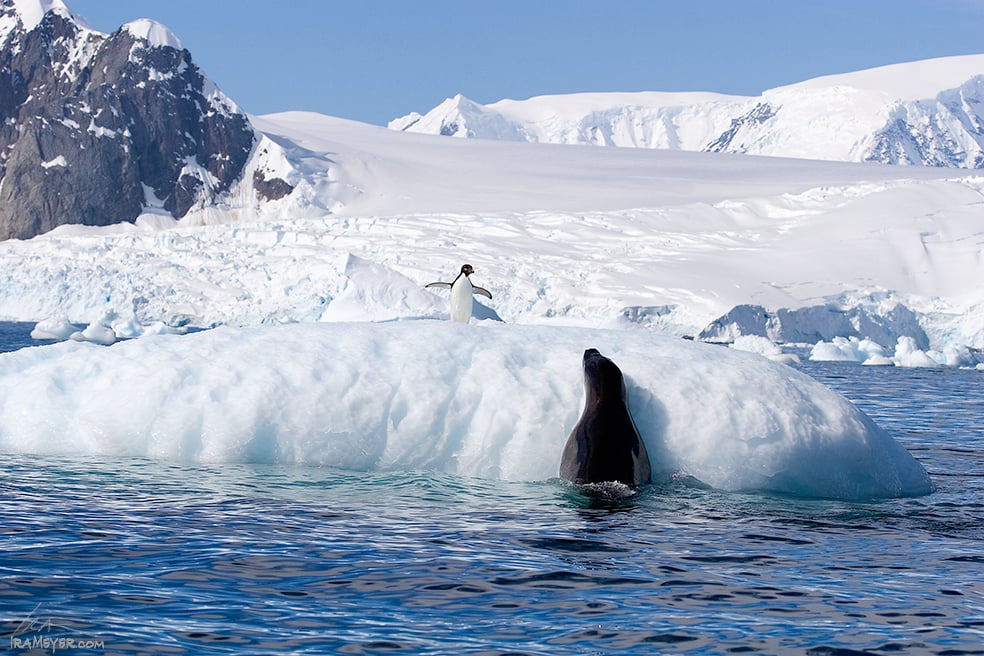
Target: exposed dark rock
[(727, 140), (944, 131), (270, 189), (92, 124)]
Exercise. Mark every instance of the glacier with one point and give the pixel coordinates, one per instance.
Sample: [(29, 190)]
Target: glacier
[(566, 235), (334, 220)]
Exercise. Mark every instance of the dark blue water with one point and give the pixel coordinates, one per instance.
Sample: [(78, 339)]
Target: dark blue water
[(139, 556)]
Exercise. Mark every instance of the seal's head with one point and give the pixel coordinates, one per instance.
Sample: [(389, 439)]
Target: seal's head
[(602, 378)]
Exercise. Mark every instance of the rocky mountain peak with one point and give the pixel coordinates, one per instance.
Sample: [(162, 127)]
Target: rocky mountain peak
[(26, 14), (95, 127)]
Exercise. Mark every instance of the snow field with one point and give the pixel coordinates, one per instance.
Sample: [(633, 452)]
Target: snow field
[(674, 268), (921, 113)]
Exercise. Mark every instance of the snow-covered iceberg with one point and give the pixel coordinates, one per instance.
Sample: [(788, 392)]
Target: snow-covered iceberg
[(848, 349), (486, 400), (907, 353)]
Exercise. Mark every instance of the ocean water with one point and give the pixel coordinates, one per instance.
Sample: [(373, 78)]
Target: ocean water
[(138, 556)]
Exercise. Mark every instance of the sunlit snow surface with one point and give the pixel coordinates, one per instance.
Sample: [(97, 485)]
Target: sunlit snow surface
[(488, 400), (600, 237), (921, 113)]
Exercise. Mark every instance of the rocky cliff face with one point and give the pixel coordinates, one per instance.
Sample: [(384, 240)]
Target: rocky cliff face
[(96, 127)]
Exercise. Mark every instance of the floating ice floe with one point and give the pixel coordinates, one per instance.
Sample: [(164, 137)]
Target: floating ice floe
[(96, 332), (848, 349), (53, 329), (105, 331), (906, 354), (487, 400)]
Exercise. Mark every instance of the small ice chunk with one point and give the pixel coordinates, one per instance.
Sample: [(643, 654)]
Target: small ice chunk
[(907, 354), (54, 329)]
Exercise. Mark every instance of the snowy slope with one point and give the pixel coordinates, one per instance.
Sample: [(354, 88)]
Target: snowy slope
[(333, 220), (27, 14), (574, 235), (927, 112)]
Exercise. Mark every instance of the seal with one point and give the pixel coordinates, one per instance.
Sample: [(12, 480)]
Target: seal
[(461, 293), (605, 445)]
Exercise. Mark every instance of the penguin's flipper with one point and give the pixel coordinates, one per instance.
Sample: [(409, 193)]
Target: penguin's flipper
[(481, 291), (443, 285)]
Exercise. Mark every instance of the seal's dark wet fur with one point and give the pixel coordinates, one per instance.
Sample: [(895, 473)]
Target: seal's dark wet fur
[(604, 445)]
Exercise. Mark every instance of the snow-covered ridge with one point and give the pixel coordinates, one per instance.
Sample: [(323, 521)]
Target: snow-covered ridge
[(926, 113), (27, 14), (916, 80), (155, 34)]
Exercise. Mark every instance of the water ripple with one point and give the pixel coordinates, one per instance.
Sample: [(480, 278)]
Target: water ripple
[(169, 558)]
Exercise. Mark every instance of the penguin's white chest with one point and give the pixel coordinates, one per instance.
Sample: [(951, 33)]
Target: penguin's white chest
[(461, 300)]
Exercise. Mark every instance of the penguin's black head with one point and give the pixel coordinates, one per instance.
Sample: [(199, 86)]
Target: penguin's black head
[(467, 270)]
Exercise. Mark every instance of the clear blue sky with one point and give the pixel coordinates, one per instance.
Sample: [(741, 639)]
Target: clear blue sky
[(374, 60)]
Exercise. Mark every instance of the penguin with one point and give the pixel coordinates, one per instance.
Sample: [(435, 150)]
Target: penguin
[(461, 294)]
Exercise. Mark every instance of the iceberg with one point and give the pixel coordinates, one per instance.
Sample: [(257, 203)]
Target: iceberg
[(907, 353), (848, 349), (486, 399), (53, 329)]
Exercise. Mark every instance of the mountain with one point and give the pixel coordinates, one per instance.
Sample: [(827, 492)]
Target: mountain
[(331, 220), (97, 128), (702, 244), (927, 113)]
